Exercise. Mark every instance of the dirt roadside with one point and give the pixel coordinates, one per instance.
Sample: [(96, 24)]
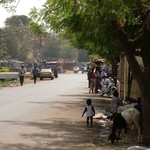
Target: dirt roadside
[(65, 129)]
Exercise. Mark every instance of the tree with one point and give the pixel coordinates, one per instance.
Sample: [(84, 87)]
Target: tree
[(17, 21), (16, 37), (107, 28), (51, 48), (38, 32)]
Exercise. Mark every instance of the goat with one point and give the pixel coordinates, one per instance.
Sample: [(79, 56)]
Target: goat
[(122, 121), (122, 108), (137, 148)]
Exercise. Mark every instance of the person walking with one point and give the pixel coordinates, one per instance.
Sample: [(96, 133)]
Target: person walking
[(35, 74), (21, 74), (90, 112)]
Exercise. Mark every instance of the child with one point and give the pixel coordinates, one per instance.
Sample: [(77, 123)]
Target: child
[(90, 112), (91, 87)]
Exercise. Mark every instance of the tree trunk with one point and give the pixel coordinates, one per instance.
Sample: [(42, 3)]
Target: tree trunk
[(145, 87), (146, 113), (130, 79), (142, 75)]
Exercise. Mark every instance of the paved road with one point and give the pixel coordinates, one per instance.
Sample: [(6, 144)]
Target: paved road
[(17, 101), (22, 106)]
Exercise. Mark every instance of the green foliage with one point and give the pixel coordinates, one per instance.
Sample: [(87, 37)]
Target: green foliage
[(3, 52), (17, 21), (88, 24), (129, 3), (5, 83), (57, 48), (6, 1), (36, 28), (4, 69), (16, 38)]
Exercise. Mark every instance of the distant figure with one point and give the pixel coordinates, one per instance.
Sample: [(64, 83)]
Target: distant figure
[(88, 76), (97, 81), (35, 74), (114, 104), (21, 75), (103, 73), (92, 80), (90, 112)]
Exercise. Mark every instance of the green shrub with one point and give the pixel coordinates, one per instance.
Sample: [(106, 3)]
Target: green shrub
[(4, 69)]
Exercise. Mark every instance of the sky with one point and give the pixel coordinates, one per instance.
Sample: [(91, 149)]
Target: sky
[(23, 8)]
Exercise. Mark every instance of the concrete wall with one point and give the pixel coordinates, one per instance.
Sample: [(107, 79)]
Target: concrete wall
[(123, 78)]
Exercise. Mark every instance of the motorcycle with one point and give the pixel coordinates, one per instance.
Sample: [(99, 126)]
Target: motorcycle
[(107, 87)]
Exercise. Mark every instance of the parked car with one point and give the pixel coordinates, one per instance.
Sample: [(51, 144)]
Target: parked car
[(46, 73)]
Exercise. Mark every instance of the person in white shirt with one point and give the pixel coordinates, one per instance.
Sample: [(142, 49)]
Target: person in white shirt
[(90, 112), (21, 75)]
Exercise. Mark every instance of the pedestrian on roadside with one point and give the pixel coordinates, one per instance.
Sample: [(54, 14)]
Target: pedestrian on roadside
[(92, 80), (35, 74), (97, 81), (21, 74), (88, 76), (114, 104), (90, 112)]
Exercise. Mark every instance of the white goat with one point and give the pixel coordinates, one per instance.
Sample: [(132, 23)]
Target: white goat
[(122, 108), (137, 148), (122, 120)]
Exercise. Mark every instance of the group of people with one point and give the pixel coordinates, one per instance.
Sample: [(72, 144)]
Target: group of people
[(90, 110), (115, 103), (94, 79), (22, 72)]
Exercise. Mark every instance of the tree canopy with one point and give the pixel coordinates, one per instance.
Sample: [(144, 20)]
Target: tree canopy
[(88, 23)]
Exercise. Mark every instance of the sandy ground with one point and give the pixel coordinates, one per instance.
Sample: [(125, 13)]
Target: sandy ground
[(61, 127)]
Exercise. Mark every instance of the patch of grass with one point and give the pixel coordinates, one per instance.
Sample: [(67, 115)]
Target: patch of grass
[(4, 69), (5, 83)]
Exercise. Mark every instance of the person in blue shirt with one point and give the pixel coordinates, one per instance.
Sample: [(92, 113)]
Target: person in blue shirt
[(35, 74)]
